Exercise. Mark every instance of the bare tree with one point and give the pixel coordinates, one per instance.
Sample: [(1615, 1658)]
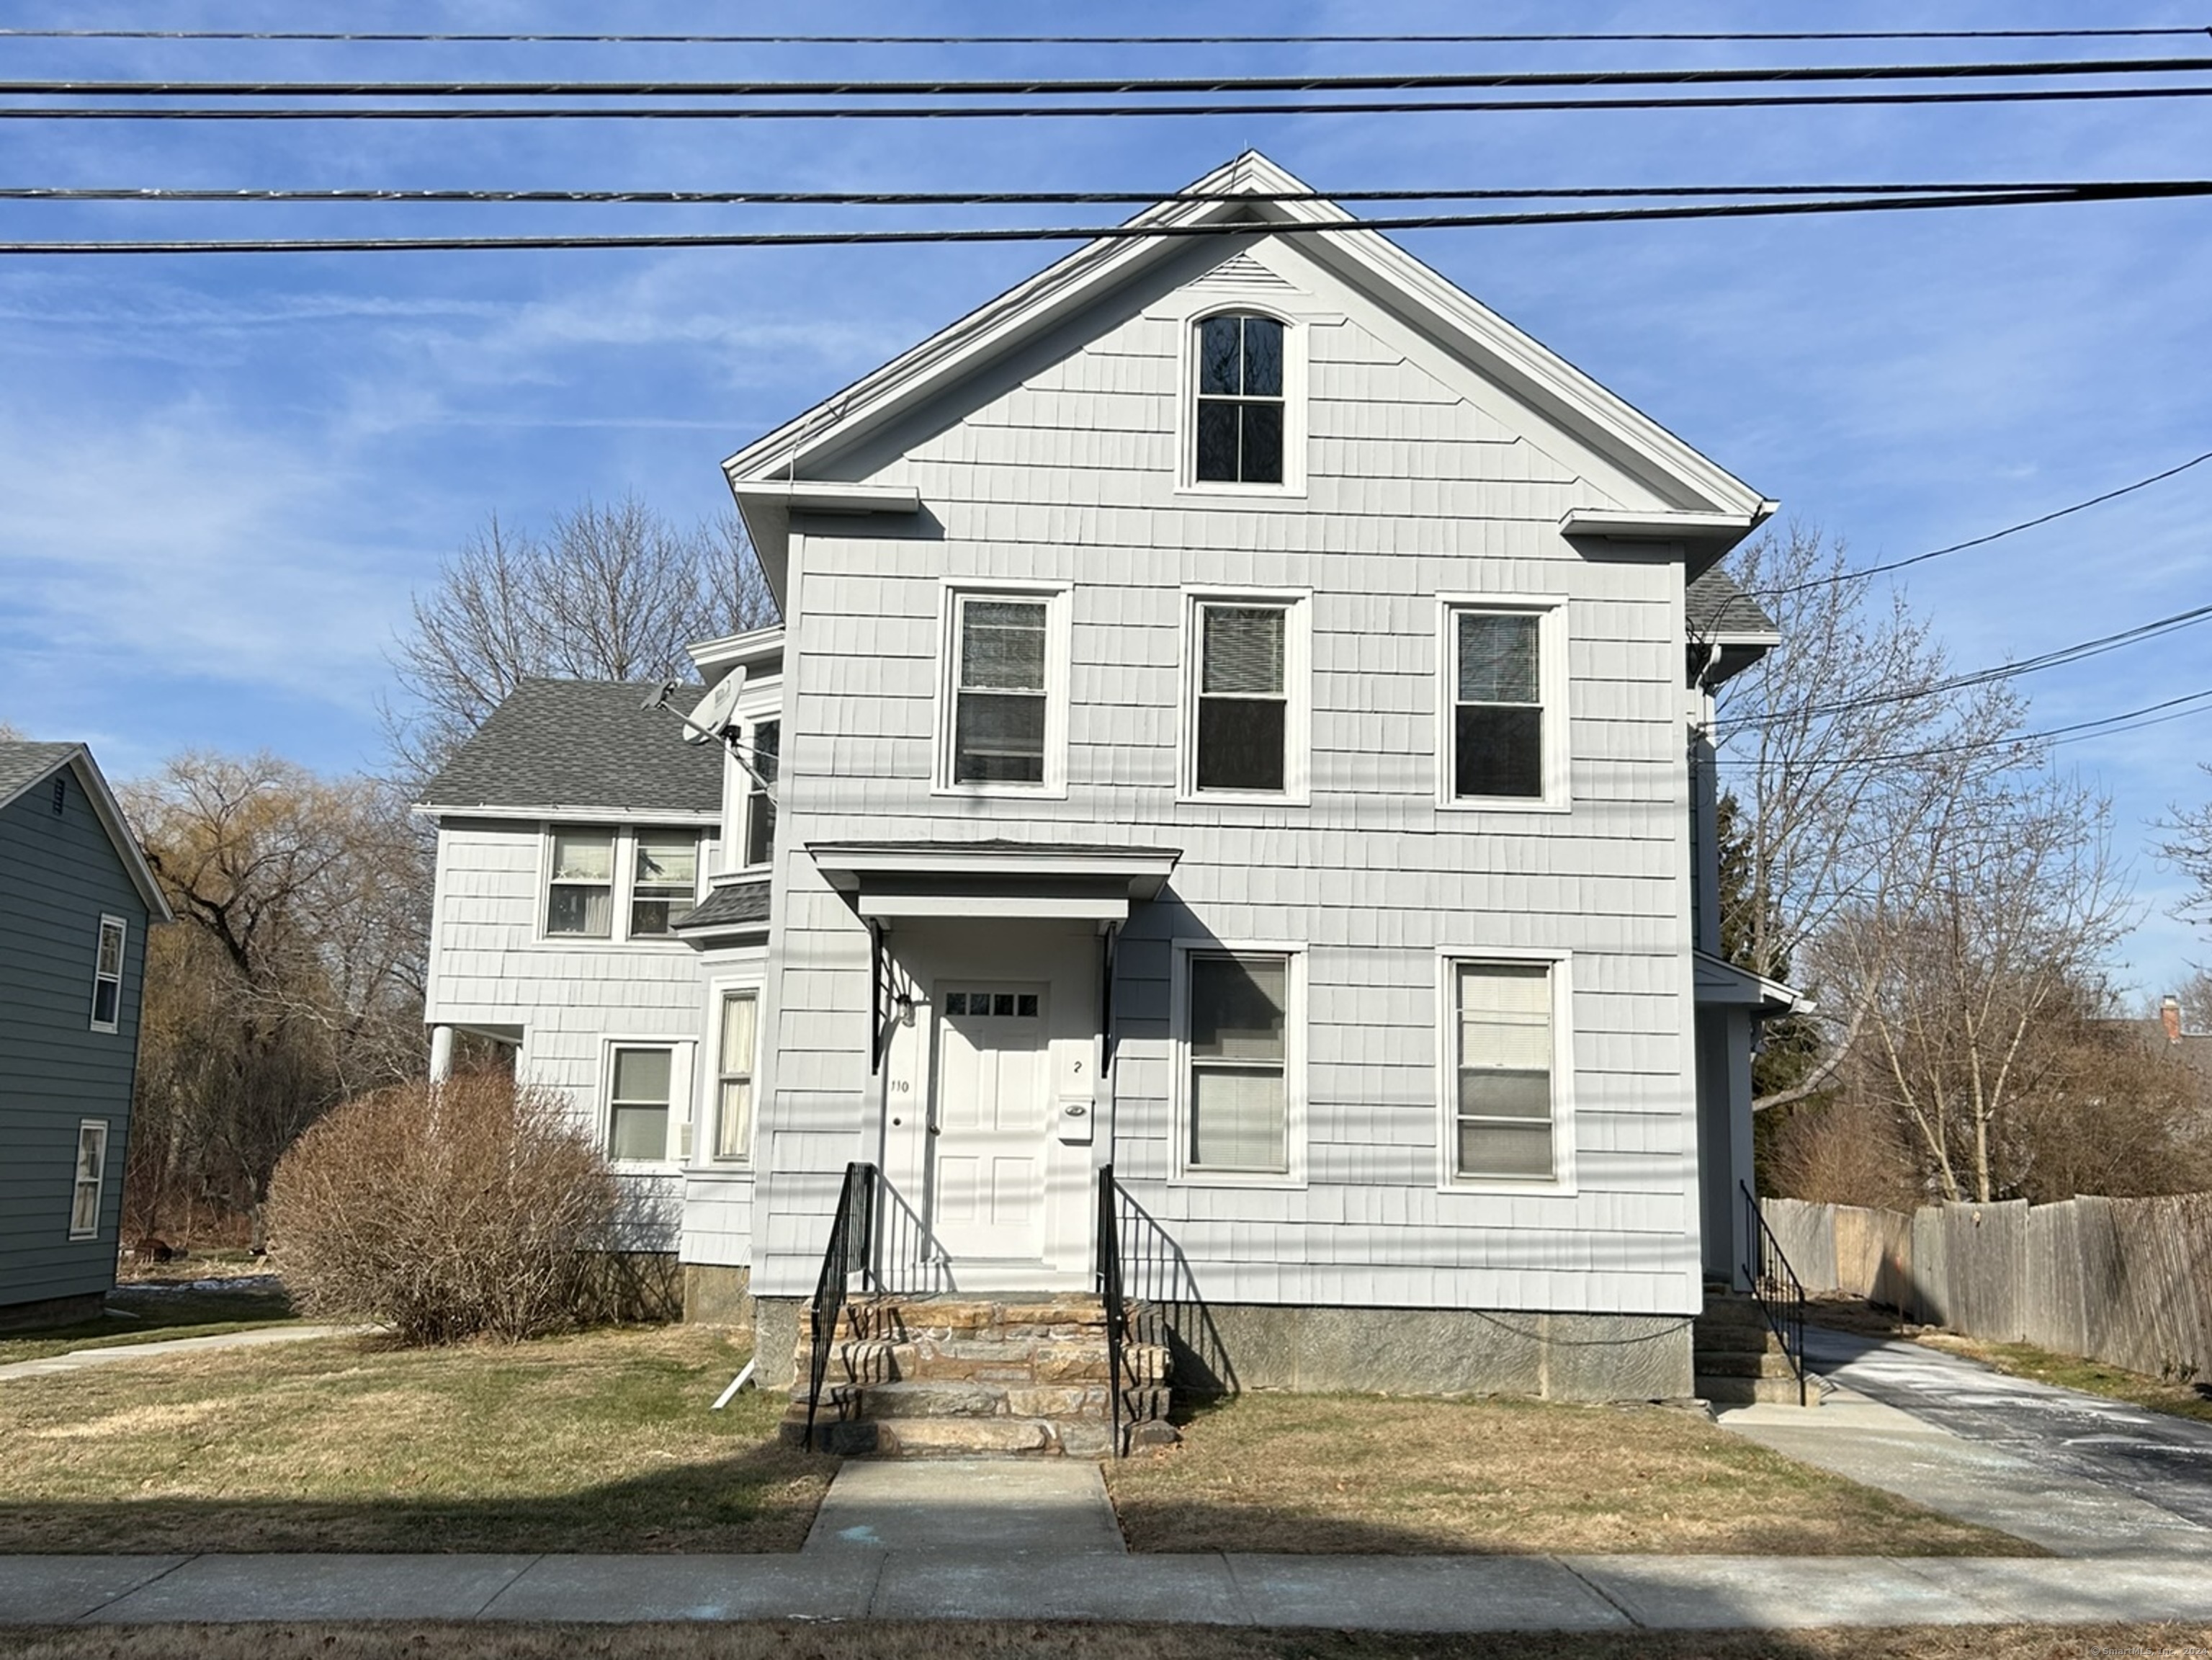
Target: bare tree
[(1966, 981), (610, 592), (293, 979), (2190, 850), (1851, 751)]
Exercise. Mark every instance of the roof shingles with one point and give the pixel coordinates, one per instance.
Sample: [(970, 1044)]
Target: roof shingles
[(569, 744)]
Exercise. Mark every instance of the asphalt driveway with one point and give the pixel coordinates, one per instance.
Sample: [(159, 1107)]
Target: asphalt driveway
[(2077, 1474)]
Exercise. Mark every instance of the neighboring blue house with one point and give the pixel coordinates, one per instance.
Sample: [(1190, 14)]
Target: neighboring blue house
[(76, 896)]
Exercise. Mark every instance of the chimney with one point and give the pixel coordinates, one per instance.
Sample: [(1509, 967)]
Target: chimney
[(2169, 1012)]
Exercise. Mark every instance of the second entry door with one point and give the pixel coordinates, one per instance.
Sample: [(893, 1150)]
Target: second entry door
[(987, 1129)]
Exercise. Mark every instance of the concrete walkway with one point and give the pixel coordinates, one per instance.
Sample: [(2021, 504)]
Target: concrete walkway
[(1397, 1593), (77, 1359), (2077, 1473)]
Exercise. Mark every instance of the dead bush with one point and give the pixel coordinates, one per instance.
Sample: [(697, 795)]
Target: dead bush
[(471, 1208)]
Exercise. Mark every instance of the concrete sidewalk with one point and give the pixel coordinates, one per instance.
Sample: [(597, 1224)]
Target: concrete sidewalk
[(1398, 1593), (154, 1349)]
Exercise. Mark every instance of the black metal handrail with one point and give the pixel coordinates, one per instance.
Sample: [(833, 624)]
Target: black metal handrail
[(851, 1234), (1774, 1286), (1110, 1293)]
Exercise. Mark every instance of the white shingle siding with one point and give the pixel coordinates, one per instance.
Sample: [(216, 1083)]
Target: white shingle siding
[(490, 967), (1422, 479)]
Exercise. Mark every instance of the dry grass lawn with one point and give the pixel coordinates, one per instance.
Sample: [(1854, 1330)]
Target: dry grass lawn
[(1336, 1474), (598, 1442), (1029, 1641)]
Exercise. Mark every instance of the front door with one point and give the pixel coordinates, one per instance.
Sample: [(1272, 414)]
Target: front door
[(988, 1122)]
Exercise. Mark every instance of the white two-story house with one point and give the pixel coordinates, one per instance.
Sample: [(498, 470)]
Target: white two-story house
[(1238, 719)]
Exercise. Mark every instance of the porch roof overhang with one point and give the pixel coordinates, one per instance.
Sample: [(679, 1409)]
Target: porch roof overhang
[(1720, 984), (1065, 881)]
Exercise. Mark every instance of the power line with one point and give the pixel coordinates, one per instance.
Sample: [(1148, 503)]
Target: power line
[(487, 38), (1101, 86), (1021, 199), (1993, 536), (2061, 655), (2147, 190), (2172, 709), (1093, 111)]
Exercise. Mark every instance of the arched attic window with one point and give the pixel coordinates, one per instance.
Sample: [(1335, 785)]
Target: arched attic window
[(1239, 422)]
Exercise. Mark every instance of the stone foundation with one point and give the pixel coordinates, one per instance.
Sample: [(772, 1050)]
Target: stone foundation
[(1222, 1348), (53, 1311), (1219, 1349), (714, 1295)]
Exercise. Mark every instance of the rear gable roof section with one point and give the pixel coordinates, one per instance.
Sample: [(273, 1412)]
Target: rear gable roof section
[(25, 767), (1706, 508), (1727, 630), (582, 748)]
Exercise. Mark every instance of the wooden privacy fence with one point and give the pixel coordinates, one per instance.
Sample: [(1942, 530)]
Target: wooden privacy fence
[(2127, 1282)]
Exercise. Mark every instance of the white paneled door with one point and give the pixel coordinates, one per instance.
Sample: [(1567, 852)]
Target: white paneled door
[(989, 1124)]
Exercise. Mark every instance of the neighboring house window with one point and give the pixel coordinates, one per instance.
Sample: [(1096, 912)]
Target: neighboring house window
[(1005, 713), (91, 1174), (1237, 1087), (666, 880), (637, 1104), (1248, 709), (733, 1119), (1503, 1109), (107, 975), (1505, 740), (580, 902), (760, 805), (1239, 419)]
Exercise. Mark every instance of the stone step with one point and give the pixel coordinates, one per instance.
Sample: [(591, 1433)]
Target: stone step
[(1732, 1310), (1724, 1391), (1732, 1339), (1771, 1363), (904, 1317)]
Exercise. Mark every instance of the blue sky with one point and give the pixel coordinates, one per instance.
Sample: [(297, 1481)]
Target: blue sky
[(224, 477)]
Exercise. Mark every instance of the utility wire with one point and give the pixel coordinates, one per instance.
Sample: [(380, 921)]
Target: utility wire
[(1994, 535), (1140, 86), (2173, 708), (2054, 659), (392, 38), (1088, 112), (2147, 190), (1021, 199)]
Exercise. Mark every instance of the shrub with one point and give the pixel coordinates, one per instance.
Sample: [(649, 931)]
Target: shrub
[(474, 1208)]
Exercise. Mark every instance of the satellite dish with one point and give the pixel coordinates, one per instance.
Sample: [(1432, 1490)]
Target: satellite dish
[(716, 711)]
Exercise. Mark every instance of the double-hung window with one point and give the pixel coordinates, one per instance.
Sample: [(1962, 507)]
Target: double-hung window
[(638, 1103), (91, 1177), (666, 880), (1503, 738), (1004, 719), (579, 899), (734, 1061), (1237, 1089), (1504, 1106), (1247, 733), (760, 804), (107, 975), (1238, 423)]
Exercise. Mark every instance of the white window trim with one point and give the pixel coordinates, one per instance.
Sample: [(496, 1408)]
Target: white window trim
[(1297, 604), (1058, 602), (122, 925), (1551, 611), (623, 887), (683, 1061), (1562, 1182), (741, 813), (100, 1183), (1297, 324), (708, 1139), (1293, 952)]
